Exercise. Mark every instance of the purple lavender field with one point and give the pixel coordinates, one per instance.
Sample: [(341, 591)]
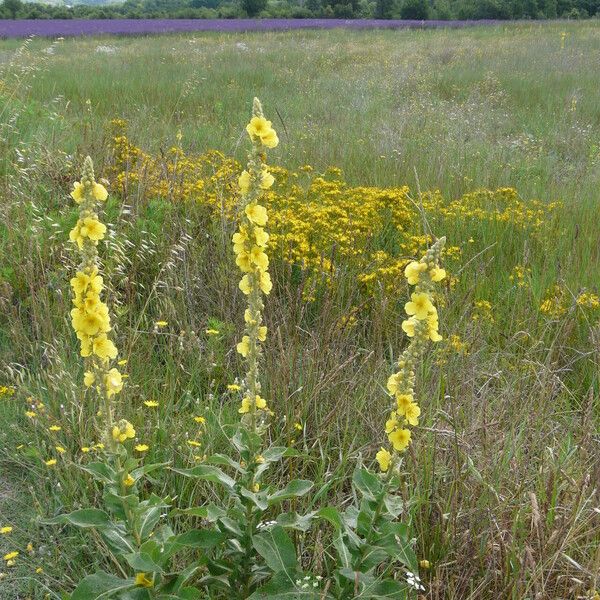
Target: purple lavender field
[(77, 27)]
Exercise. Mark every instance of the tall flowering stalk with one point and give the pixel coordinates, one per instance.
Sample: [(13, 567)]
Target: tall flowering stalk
[(90, 317), (421, 326), (249, 244)]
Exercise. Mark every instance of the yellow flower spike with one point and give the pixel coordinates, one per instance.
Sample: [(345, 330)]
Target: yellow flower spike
[(421, 326), (128, 480)]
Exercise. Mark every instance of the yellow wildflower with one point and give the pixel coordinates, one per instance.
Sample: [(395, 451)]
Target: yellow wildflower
[(384, 458)]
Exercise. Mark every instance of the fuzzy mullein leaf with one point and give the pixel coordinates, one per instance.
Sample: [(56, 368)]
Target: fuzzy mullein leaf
[(101, 585), (276, 547), (294, 489), (85, 517)]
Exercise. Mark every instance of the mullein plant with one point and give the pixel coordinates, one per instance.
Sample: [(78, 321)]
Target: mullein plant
[(375, 557), (257, 557), (139, 544)]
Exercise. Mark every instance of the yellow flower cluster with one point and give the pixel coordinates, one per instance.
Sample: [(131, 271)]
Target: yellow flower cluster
[(318, 222), (420, 326), (90, 317), (558, 300), (249, 244)]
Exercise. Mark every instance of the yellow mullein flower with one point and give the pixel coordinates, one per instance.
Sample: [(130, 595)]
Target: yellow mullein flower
[(113, 382), (123, 431), (244, 182), (420, 305), (93, 229), (99, 192), (78, 192), (257, 214), (384, 458), (413, 271), (400, 439), (266, 179), (265, 282), (143, 580), (260, 128), (104, 348), (128, 480), (245, 285), (243, 347)]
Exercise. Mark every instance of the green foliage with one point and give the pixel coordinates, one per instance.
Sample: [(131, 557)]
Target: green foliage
[(415, 9), (253, 7), (380, 9)]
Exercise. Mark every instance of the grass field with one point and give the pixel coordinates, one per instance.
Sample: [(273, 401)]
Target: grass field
[(501, 481)]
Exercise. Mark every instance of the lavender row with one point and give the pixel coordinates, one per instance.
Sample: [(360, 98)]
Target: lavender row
[(78, 27)]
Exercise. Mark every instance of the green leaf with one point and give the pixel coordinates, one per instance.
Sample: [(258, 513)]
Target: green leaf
[(294, 489), (86, 517), (277, 549), (100, 471), (332, 515), (211, 512), (200, 538), (394, 505), (223, 459), (208, 473), (367, 484), (344, 554), (141, 561), (293, 520), (100, 585), (188, 593), (388, 588), (145, 469), (118, 539), (259, 500)]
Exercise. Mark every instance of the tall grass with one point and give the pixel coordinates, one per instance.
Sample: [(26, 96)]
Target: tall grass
[(501, 482)]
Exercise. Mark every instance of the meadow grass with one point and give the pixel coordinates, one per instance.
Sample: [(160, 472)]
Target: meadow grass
[(502, 480)]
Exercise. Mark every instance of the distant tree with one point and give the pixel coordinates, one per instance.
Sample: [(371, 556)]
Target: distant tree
[(12, 7), (315, 6), (384, 9), (417, 10), (253, 7)]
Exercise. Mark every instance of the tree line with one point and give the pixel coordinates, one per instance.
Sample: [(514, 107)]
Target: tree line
[(342, 9)]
